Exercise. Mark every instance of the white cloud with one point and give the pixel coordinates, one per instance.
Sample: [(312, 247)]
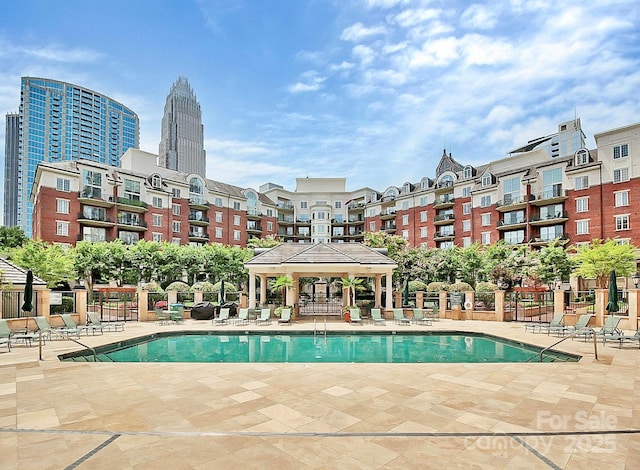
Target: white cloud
[(343, 66), (358, 32), (479, 17), (312, 82), (364, 54), (437, 53), (411, 17), (58, 53), (386, 4)]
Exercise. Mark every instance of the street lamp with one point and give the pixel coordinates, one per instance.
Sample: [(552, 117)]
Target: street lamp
[(636, 279)]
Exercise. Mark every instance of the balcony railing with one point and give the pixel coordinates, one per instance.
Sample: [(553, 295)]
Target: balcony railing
[(438, 218), (198, 218), (556, 192), (285, 206), (132, 222), (198, 235), (132, 202), (442, 201), (509, 201), (520, 220)]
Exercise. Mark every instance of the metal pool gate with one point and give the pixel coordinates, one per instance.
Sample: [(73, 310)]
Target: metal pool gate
[(529, 306), (320, 304)]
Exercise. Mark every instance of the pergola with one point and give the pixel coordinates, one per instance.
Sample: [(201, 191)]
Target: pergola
[(321, 260)]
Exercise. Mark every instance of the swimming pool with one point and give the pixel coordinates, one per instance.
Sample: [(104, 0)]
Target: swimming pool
[(273, 346)]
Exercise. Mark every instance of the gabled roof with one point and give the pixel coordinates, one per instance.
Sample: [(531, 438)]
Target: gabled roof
[(12, 274), (321, 253)]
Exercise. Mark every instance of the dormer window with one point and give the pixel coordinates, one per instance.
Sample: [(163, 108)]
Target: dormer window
[(424, 184), (582, 157), (156, 181), (467, 172), (406, 188), (487, 179), (446, 181)]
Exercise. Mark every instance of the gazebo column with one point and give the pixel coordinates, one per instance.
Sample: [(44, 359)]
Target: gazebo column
[(263, 289), (389, 291), (252, 290), (378, 290)]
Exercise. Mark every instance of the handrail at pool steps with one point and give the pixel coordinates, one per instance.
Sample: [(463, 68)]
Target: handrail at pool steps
[(571, 335), (66, 336)]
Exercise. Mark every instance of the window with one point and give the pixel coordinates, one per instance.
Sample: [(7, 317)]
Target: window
[(581, 182), (405, 219), (236, 235), (466, 242), (511, 190), (175, 192), (157, 202), (176, 226), (236, 206), (62, 228), (622, 198), (514, 237), (218, 217), (582, 204), (485, 201), (157, 237), (156, 181), (423, 216), (93, 213), (196, 191), (176, 240), (218, 232), (269, 226), (621, 151), (63, 184), (405, 234), (338, 217), (485, 220), (466, 225), (446, 245), (621, 174), (582, 227), (303, 204), (466, 208), (423, 232), (486, 238), (62, 206), (486, 179), (405, 205), (236, 220), (582, 157), (467, 172), (372, 226), (218, 202), (92, 184), (338, 205), (269, 212), (94, 234), (466, 191), (622, 222), (132, 189), (423, 200), (552, 183), (513, 217), (548, 234), (175, 209), (157, 220)]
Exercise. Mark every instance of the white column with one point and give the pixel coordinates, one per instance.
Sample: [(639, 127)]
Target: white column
[(378, 292), (252, 290), (263, 289), (389, 292)]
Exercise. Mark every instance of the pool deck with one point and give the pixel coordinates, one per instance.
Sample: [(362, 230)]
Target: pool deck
[(302, 416)]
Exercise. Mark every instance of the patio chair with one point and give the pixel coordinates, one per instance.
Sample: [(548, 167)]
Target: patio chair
[(223, 317), (555, 324), (622, 338), (354, 316), (285, 316), (94, 319), (610, 328), (265, 317), (72, 325), (376, 317), (43, 326), (163, 317), (243, 317), (419, 318), (5, 334), (581, 324), (432, 312), (399, 318)]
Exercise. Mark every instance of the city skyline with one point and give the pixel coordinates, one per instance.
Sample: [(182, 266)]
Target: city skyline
[(296, 89)]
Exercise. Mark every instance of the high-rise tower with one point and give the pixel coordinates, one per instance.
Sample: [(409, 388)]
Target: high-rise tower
[(61, 121), (182, 138), (11, 163)]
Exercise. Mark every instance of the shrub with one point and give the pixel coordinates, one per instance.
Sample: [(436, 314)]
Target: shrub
[(459, 287), (204, 286), (152, 286), (178, 286), (486, 287), (415, 286), (435, 286), (228, 287)]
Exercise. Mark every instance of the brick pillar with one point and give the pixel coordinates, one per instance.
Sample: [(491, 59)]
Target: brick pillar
[(499, 306), (442, 300), (634, 297), (172, 298), (143, 302), (469, 301), (558, 301), (81, 304), (197, 296), (44, 303), (397, 299), (420, 299)]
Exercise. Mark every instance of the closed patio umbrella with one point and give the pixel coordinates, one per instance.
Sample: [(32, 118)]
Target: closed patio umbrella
[(612, 306), (27, 306), (221, 292), (405, 293)]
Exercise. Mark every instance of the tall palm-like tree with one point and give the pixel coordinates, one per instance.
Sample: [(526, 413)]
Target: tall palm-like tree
[(351, 284), (284, 283)]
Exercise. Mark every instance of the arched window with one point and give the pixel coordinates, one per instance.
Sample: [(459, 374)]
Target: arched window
[(446, 181), (156, 181), (252, 200), (196, 191), (582, 157), (467, 172), (487, 179)]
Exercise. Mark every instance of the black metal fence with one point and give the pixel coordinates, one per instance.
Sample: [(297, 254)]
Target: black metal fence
[(12, 302)]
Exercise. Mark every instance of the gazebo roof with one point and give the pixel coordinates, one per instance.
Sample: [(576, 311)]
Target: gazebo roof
[(16, 275), (321, 253)]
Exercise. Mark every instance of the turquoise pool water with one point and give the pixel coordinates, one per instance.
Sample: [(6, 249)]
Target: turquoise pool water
[(304, 347)]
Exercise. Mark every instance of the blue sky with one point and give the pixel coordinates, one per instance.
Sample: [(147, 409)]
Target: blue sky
[(369, 90)]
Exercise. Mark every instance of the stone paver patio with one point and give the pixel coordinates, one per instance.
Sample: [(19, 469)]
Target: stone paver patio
[(134, 416)]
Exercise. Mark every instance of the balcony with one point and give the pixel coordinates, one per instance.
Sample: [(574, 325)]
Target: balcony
[(510, 224), (356, 206), (388, 214), (443, 219), (254, 229), (303, 222), (338, 222), (95, 220), (303, 236), (444, 202), (512, 204), (444, 186), (550, 219), (540, 241), (557, 194), (355, 233), (132, 224), (389, 227), (198, 236), (285, 219), (93, 196), (198, 203), (355, 220), (199, 219), (443, 236), (253, 214), (285, 206), (388, 199), (132, 205)]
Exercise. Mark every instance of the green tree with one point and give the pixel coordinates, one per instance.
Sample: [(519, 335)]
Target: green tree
[(599, 258), (281, 283), (267, 242), (12, 237), (47, 261), (144, 256), (350, 284), (470, 262), (393, 243), (550, 263)]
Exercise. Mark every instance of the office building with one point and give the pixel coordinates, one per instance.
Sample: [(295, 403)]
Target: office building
[(61, 122), (182, 136), (11, 164)]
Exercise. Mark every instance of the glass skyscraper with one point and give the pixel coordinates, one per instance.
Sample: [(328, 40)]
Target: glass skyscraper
[(11, 153), (61, 121), (182, 136)]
